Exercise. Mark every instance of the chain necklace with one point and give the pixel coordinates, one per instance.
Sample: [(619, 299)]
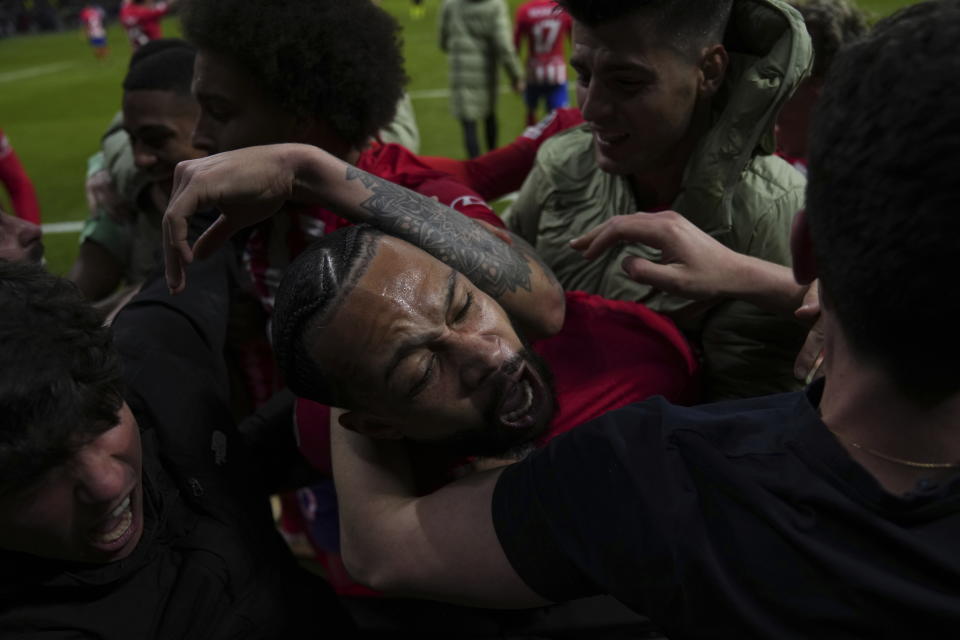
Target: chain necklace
[(901, 461)]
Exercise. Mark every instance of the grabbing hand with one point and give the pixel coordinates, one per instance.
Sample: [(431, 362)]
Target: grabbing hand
[(809, 362), (692, 264), (103, 196), (247, 186)]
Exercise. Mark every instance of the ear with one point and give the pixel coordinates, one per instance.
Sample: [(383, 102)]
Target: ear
[(801, 246), (713, 69), (369, 426)]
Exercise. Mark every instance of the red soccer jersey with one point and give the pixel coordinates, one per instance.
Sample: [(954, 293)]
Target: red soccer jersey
[(610, 353), (142, 22), (545, 27), (14, 178), (501, 171), (92, 18)]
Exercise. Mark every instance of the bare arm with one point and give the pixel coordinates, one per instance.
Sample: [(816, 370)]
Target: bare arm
[(442, 546), (250, 185)]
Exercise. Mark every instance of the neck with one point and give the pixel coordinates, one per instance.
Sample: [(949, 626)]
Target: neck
[(661, 185), (862, 405)]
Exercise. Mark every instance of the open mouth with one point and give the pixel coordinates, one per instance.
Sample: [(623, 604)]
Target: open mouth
[(114, 531), (522, 400), (605, 139)]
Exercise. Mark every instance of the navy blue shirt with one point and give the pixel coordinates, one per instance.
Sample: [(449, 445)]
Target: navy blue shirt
[(737, 519)]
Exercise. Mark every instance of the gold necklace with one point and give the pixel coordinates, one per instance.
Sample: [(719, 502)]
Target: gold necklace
[(895, 460)]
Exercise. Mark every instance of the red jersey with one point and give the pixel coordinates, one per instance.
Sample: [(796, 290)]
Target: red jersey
[(142, 22), (92, 18), (502, 171), (610, 353), (545, 27), (15, 179)]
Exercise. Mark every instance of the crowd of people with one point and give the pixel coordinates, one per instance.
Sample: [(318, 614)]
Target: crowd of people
[(696, 380)]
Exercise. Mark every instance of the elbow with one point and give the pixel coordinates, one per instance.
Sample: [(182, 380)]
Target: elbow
[(370, 570)]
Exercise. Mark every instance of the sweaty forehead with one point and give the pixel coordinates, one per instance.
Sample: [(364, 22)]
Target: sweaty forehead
[(400, 293)]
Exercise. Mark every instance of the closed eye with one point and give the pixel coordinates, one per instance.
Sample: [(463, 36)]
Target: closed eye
[(464, 310), (421, 384)]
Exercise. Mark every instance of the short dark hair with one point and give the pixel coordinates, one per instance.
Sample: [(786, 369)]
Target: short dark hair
[(692, 23), (831, 25), (336, 61), (312, 288), (883, 198), (162, 65), (60, 381)]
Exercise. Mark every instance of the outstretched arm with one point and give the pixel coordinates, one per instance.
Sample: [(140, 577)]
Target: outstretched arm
[(250, 185), (442, 546)]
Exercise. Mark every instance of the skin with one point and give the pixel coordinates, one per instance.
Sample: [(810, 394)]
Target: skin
[(20, 240), (793, 123), (647, 102), (439, 353), (59, 516), (235, 112), (160, 125)]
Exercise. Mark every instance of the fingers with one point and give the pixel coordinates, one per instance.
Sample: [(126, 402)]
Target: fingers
[(809, 309), (176, 248), (646, 228), (810, 359), (659, 276), (173, 266), (216, 235)]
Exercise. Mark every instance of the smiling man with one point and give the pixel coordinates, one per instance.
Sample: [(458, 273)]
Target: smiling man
[(159, 115), (131, 505), (680, 100)]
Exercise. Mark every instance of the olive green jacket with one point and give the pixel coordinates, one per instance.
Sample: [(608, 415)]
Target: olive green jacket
[(733, 188), (477, 37)]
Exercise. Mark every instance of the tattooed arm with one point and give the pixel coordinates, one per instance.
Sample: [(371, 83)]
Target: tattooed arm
[(250, 185)]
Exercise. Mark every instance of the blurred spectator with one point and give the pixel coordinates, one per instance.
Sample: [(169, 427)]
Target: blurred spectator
[(141, 19), (832, 24), (545, 27), (476, 36), (17, 183), (92, 17)]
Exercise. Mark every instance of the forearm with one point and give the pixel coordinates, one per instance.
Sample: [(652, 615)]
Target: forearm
[(510, 273), (769, 286)]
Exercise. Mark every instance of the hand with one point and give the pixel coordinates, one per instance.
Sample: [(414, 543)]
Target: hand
[(809, 362), (692, 264), (247, 186), (519, 86), (102, 195)]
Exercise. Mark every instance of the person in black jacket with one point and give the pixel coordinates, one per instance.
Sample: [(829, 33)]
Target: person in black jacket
[(131, 505)]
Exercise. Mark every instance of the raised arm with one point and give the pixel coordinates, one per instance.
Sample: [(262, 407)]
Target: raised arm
[(250, 185)]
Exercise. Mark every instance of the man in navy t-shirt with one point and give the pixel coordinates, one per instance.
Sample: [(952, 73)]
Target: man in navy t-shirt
[(832, 512)]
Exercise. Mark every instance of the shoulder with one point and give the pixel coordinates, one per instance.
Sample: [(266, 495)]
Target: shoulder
[(568, 153)]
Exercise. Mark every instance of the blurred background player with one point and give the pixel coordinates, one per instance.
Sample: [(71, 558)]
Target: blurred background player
[(141, 19), (832, 24), (92, 17), (545, 27), (18, 185), (475, 34)]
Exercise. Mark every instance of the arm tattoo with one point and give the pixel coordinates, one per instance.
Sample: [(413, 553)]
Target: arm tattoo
[(491, 264)]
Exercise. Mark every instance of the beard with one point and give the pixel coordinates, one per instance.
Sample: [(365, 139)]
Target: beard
[(495, 438)]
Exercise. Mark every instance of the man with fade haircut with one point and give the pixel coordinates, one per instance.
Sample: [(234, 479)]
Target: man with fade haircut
[(141, 151), (680, 100), (830, 512)]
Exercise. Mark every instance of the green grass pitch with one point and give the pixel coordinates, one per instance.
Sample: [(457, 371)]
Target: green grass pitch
[(56, 100)]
